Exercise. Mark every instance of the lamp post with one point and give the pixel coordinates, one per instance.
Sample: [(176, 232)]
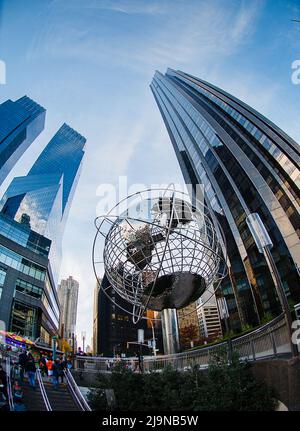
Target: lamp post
[(54, 342), (153, 338), (83, 335), (264, 244)]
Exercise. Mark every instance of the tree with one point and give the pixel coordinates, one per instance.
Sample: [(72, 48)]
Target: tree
[(65, 346), (188, 334)]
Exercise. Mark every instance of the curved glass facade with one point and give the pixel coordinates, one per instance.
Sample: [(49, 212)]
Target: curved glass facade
[(20, 123), (246, 164), (41, 200)]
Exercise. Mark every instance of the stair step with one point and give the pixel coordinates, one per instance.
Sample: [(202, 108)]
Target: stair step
[(60, 399)]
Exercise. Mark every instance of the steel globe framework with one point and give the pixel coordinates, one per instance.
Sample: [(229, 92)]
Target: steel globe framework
[(159, 252)]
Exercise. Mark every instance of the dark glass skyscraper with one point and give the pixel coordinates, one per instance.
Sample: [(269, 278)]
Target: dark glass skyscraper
[(247, 165), (42, 198), (20, 123), (113, 327)]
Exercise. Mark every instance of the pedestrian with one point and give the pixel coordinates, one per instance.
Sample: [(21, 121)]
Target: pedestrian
[(56, 368), (23, 358), (3, 380), (17, 392), (31, 370), (3, 398), (62, 368), (19, 406), (69, 364), (49, 365), (139, 358), (15, 373), (42, 365)]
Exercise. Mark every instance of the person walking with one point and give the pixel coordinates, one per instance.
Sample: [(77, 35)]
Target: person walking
[(49, 365), (23, 358), (31, 370), (69, 364), (64, 366), (3, 382), (15, 373), (42, 365), (56, 369)]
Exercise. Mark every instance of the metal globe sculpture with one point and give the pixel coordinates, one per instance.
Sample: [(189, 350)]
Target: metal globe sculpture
[(159, 252)]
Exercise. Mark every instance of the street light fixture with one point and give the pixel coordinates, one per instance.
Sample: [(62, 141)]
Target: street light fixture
[(153, 337), (83, 335), (264, 244)]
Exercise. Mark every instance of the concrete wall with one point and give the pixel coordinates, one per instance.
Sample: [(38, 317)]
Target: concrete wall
[(284, 376)]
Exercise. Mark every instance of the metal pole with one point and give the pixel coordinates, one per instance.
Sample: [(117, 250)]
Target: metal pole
[(141, 358), (170, 331), (153, 338), (54, 347), (73, 349)]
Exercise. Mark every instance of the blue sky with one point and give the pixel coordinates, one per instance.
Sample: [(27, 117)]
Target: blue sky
[(90, 63)]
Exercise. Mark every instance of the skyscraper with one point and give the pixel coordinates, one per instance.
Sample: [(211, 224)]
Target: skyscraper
[(114, 327), (208, 314), (28, 299), (42, 198), (247, 165), (20, 123), (68, 299)]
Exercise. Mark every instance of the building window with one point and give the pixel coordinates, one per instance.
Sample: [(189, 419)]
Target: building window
[(28, 288), (24, 320), (17, 262), (2, 279)]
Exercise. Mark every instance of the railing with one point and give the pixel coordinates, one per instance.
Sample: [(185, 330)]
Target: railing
[(270, 340), (9, 385), (76, 393), (43, 390)]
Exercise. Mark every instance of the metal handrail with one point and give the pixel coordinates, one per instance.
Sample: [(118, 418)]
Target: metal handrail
[(9, 385), (268, 340), (43, 390), (75, 391)]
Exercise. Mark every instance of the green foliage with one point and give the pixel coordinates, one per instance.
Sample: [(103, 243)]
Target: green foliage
[(246, 327), (267, 317), (224, 387)]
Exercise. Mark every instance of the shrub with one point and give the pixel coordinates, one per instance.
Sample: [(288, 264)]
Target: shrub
[(224, 387)]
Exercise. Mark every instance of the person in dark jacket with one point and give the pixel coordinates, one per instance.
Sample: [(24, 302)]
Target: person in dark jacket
[(23, 358), (42, 365), (64, 366), (30, 368), (57, 369), (3, 380), (15, 373)]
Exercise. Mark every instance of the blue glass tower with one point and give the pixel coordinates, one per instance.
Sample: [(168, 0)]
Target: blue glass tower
[(42, 199), (20, 123)]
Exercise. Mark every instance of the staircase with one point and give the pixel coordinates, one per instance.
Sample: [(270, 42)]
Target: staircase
[(60, 399), (32, 398)]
